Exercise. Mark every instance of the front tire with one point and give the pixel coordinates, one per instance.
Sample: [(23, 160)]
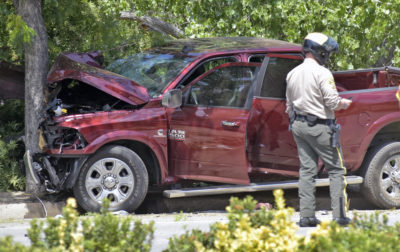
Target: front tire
[(382, 175), (116, 173)]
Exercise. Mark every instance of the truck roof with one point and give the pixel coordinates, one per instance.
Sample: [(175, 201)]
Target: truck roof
[(200, 46)]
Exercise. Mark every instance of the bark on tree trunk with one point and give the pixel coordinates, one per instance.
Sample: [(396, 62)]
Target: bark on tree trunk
[(36, 67)]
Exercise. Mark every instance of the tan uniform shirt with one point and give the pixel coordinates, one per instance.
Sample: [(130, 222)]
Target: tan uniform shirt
[(311, 89)]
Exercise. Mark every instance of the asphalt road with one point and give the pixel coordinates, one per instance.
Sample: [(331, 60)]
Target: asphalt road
[(156, 203)]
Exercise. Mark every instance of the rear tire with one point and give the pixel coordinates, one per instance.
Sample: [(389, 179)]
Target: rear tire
[(116, 173), (381, 184)]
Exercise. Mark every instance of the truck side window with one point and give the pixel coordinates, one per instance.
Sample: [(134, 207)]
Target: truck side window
[(206, 66), (274, 83), (257, 58), (227, 86)]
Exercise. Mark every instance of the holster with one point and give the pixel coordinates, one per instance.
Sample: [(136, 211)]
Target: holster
[(311, 120), (335, 127)]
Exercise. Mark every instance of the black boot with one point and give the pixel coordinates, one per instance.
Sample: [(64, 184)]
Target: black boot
[(309, 222), (342, 221)]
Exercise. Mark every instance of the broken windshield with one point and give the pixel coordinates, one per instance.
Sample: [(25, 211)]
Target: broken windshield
[(151, 70)]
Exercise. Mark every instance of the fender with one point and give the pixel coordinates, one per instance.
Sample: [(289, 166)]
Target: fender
[(373, 130), (158, 147)]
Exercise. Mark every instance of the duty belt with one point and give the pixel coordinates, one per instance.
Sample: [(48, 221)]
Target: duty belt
[(314, 120)]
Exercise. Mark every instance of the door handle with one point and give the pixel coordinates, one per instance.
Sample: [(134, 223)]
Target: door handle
[(230, 124)]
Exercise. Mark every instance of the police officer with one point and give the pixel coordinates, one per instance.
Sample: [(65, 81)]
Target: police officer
[(311, 98)]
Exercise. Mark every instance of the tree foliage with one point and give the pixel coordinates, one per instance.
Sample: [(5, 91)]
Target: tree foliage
[(366, 30), (74, 26), (11, 128)]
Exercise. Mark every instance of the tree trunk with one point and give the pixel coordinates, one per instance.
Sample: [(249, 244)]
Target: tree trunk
[(36, 67)]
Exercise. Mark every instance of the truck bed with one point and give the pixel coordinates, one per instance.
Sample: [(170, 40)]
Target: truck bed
[(367, 78)]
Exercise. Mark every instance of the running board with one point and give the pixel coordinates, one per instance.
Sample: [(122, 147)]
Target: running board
[(253, 187)]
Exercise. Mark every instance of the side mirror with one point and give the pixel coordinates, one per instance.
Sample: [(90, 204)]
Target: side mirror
[(172, 98)]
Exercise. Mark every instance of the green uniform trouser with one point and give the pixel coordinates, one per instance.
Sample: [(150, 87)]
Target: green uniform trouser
[(313, 142)]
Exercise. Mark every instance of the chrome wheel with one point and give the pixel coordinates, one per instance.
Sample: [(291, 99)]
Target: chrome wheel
[(390, 177), (109, 178), (381, 170)]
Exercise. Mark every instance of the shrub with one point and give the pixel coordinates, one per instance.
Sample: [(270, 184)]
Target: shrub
[(7, 245), (366, 233), (250, 230), (11, 151), (246, 230), (100, 232)]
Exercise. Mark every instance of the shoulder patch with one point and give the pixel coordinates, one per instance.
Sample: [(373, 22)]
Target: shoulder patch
[(331, 82)]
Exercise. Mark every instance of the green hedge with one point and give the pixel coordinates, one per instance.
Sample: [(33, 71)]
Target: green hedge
[(98, 232), (366, 234), (247, 230), (11, 148)]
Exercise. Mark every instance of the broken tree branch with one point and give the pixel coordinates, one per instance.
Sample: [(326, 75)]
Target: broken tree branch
[(154, 24)]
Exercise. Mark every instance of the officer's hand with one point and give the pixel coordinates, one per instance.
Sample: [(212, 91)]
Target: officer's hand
[(345, 103)]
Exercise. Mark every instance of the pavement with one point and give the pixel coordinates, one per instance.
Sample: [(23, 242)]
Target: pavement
[(21, 205)]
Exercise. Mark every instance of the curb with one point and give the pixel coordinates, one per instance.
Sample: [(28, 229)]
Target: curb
[(21, 205)]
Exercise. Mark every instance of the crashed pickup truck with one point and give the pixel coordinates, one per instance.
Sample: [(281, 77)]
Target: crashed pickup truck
[(201, 117)]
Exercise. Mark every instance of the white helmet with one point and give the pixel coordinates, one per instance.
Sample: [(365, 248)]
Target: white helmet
[(320, 45)]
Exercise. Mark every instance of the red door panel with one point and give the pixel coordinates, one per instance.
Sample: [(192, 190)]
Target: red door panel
[(271, 146), (213, 146), (207, 135)]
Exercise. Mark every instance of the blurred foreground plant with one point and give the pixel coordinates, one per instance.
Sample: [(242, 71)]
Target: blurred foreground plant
[(248, 229), (99, 232), (367, 233)]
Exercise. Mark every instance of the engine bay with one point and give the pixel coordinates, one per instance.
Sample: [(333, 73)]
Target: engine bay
[(74, 97), (71, 97)]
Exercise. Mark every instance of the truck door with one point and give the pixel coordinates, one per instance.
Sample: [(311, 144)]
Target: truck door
[(271, 147), (206, 137)]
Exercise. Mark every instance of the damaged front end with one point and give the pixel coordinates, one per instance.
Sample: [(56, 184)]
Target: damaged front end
[(79, 91), (51, 174)]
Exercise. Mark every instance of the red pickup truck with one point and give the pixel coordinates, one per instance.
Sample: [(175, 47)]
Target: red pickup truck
[(209, 110)]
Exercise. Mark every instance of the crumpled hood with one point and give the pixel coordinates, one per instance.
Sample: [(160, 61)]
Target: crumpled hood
[(86, 68)]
